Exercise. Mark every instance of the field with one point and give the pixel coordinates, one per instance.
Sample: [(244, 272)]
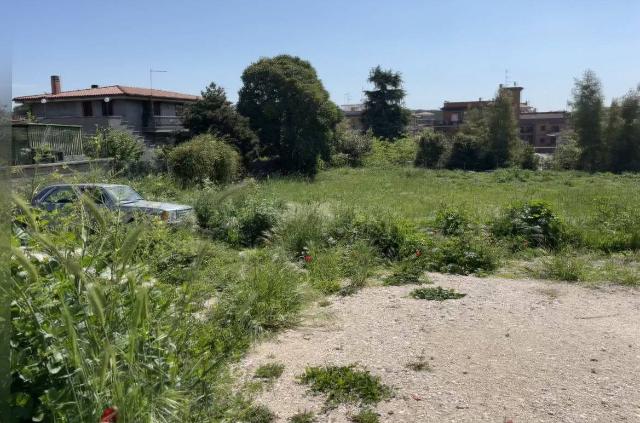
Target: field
[(262, 252)]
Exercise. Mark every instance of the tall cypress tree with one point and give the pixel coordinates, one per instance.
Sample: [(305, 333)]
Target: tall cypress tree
[(586, 115)]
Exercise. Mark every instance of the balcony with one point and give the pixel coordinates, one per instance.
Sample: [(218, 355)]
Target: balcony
[(164, 124)]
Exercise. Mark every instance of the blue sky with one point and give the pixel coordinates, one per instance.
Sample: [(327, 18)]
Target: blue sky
[(445, 50)]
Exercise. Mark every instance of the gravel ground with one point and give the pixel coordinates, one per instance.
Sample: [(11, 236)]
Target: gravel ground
[(526, 351)]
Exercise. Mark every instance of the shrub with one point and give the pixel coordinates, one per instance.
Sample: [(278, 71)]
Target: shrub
[(409, 271), (566, 155), (467, 152), (204, 158), (431, 147), (436, 294), (392, 239), (345, 384), (533, 222), (386, 153), (451, 222), (350, 146), (461, 255), (237, 217), (124, 148), (525, 157)]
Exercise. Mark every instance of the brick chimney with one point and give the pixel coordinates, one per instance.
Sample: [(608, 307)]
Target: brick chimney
[(55, 84)]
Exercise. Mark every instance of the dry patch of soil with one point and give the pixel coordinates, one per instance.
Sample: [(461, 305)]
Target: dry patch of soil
[(529, 351)]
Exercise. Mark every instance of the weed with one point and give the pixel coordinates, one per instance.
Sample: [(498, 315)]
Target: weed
[(365, 416), (564, 267), (436, 294), (419, 365), (345, 384), (409, 271), (303, 417), (451, 222), (534, 223), (462, 255), (269, 371)]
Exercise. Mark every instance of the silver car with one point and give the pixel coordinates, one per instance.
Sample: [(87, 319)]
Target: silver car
[(114, 197)]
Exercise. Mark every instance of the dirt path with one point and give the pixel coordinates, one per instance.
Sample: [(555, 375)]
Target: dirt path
[(528, 351)]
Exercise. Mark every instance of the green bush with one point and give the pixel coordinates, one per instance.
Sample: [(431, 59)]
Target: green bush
[(525, 157), (431, 147), (451, 222), (124, 148), (533, 223), (239, 218), (365, 416), (467, 152), (204, 158), (564, 267), (387, 153), (566, 155), (409, 271), (303, 417), (350, 146), (461, 255)]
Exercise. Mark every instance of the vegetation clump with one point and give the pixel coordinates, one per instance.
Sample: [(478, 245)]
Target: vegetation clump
[(345, 384), (269, 371), (204, 158), (365, 416), (436, 294), (531, 224)]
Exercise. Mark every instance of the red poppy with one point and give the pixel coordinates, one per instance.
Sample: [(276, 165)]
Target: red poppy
[(109, 415), (418, 253), (308, 258)]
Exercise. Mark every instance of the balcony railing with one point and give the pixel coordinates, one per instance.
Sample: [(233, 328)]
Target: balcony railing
[(164, 123)]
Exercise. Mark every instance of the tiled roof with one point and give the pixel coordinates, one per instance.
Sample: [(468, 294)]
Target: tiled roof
[(111, 91)]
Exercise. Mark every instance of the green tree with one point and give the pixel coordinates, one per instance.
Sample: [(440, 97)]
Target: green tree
[(586, 115), (290, 111), (215, 115), (623, 133), (383, 112), (502, 130)]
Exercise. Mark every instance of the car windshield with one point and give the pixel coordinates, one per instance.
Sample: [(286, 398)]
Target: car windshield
[(123, 194)]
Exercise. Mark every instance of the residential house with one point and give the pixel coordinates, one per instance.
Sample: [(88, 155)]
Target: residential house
[(543, 129), (539, 129), (151, 114)]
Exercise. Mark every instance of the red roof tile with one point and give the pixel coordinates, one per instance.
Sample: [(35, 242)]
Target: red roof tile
[(111, 91)]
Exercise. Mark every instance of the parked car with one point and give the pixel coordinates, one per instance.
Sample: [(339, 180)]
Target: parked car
[(114, 197)]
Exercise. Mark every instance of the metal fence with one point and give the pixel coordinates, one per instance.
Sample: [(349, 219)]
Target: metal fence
[(59, 140)]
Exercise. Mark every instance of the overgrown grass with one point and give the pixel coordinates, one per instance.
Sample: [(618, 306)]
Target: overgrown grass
[(365, 416), (303, 417)]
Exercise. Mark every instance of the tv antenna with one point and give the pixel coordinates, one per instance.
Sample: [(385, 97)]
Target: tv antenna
[(506, 77)]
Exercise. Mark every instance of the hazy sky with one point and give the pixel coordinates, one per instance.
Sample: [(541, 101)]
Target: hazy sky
[(445, 50)]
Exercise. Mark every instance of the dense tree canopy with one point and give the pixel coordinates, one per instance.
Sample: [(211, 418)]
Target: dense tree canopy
[(384, 113), (214, 114), (587, 116), (623, 133), (290, 111)]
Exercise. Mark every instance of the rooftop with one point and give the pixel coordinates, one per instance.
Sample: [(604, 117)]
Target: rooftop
[(109, 91)]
